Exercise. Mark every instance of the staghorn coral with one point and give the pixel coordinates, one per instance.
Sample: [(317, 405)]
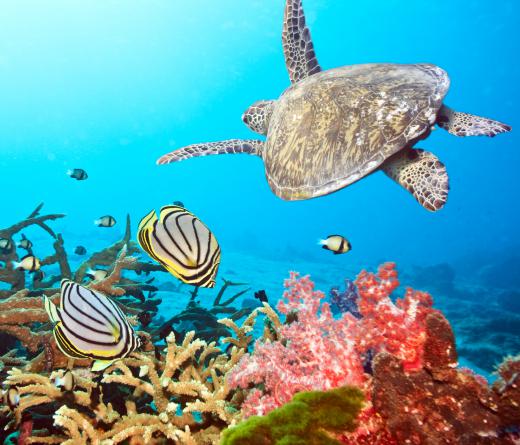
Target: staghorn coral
[(15, 279), (179, 397), (309, 418), (22, 316)]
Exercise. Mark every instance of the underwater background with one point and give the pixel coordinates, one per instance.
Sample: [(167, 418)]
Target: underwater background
[(109, 86)]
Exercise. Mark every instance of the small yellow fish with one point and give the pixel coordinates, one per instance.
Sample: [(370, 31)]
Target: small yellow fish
[(336, 243), (29, 263)]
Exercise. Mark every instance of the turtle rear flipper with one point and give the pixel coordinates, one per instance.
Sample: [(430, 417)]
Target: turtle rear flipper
[(298, 48), (422, 174), (465, 124), (232, 146)]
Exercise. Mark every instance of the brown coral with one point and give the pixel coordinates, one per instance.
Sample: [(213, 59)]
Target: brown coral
[(441, 404)]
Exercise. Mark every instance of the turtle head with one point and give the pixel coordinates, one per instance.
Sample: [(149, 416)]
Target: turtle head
[(257, 116)]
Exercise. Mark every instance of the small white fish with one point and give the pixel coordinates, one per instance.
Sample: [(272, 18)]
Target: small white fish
[(77, 173), (105, 221), (29, 263), (5, 244), (336, 243), (66, 381), (25, 243), (97, 275), (11, 397)]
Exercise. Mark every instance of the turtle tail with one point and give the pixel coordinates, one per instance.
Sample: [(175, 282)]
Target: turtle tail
[(232, 146)]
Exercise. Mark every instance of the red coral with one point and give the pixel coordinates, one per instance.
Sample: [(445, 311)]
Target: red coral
[(319, 352), (387, 327)]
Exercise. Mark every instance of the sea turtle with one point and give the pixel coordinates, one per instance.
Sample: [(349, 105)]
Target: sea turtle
[(331, 128)]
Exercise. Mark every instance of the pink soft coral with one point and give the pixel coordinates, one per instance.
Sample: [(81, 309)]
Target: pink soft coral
[(316, 352), (319, 352)]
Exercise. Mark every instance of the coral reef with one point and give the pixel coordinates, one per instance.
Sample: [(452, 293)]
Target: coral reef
[(179, 396), (414, 391), (346, 301), (22, 316), (440, 404), (389, 363), (204, 321), (311, 417), (320, 352), (15, 279)]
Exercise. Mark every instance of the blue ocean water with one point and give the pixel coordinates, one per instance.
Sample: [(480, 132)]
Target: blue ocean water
[(109, 86)]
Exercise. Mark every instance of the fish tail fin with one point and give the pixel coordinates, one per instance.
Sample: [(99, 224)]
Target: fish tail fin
[(51, 309), (322, 242), (97, 222), (70, 172), (16, 265)]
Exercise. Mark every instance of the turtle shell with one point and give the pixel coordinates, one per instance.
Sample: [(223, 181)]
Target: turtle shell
[(338, 126)]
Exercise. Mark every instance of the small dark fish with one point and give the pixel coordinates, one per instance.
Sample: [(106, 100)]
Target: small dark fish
[(78, 174), (105, 221), (80, 250), (262, 296), (179, 203), (25, 243), (38, 275), (145, 318), (165, 331), (157, 353), (6, 244), (66, 381), (336, 243), (291, 317)]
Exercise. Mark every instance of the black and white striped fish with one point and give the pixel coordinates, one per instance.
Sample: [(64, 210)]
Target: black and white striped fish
[(182, 244), (90, 325), (105, 221)]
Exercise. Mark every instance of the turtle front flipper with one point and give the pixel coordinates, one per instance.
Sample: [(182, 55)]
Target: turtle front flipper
[(422, 174), (464, 124), (298, 48), (232, 146)]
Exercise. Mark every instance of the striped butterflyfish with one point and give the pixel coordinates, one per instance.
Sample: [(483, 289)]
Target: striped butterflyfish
[(90, 325), (182, 244)]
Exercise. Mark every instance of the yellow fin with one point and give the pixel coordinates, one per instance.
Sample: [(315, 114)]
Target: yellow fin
[(51, 309), (100, 365), (147, 221)]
